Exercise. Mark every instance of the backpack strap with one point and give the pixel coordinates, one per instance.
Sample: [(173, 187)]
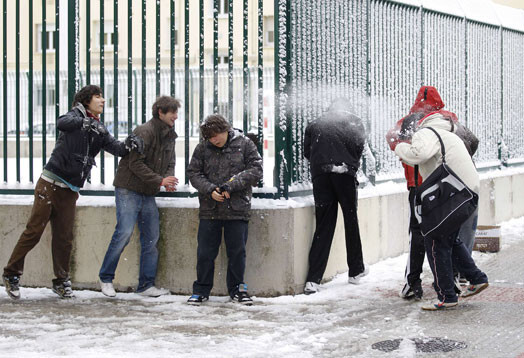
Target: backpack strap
[(442, 149)]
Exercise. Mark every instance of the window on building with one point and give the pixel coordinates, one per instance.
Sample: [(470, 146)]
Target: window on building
[(109, 35), (49, 36), (269, 32)]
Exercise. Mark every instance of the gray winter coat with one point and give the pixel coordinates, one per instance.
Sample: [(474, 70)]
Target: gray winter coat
[(236, 165)]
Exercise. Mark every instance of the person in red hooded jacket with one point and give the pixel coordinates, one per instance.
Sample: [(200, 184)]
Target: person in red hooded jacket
[(427, 102)]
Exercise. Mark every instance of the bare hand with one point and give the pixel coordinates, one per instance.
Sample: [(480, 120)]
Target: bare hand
[(217, 196), (169, 183), (226, 194)]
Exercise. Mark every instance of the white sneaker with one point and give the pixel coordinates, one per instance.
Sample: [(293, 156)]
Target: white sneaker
[(311, 287), (154, 292), (355, 280), (108, 289)]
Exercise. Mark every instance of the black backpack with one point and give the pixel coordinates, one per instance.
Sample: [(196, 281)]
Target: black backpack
[(443, 202)]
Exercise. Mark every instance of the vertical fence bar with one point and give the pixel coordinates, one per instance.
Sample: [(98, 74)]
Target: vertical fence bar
[(30, 91), (115, 79), (17, 88), (282, 81), (157, 49), (129, 66), (57, 65), (260, 102), (102, 82), (186, 90), (44, 83), (73, 72), (421, 55), (88, 42), (502, 159), (230, 60), (466, 76), (4, 56), (215, 55), (172, 50), (144, 76), (245, 73), (201, 62)]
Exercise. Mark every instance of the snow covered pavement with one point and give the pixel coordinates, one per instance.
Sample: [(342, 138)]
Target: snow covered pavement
[(340, 321)]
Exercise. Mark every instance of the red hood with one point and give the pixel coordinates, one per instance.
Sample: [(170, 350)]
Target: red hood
[(428, 100)]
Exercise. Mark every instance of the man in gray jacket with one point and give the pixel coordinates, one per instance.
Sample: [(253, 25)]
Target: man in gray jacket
[(137, 181), (223, 169)]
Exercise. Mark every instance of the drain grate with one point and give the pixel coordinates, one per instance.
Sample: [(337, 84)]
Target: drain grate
[(424, 345)]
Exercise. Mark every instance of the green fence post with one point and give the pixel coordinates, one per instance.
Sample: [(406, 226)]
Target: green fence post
[(422, 44), (88, 42), (17, 89), (73, 73), (44, 83), (245, 73), (260, 109), (157, 49), (57, 66), (466, 77), (115, 80), (215, 55), (129, 66), (30, 91), (172, 49), (186, 90), (144, 76), (501, 155), (230, 61), (102, 82), (282, 128), (4, 56), (201, 63)]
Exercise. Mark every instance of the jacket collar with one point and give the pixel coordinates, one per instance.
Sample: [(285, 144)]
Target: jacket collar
[(163, 128)]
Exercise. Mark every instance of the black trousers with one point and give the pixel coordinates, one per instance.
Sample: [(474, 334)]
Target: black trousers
[(209, 239), (417, 250), (329, 190), (443, 254)]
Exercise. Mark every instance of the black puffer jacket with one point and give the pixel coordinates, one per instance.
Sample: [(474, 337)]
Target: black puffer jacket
[(335, 140), (237, 164), (75, 149)]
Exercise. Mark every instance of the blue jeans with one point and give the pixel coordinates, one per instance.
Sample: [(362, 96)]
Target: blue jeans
[(468, 230), (209, 239), (130, 208)]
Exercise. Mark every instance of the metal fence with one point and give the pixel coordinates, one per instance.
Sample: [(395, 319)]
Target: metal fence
[(375, 52), (378, 53)]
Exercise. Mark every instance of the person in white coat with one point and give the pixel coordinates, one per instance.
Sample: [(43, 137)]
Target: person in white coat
[(425, 151)]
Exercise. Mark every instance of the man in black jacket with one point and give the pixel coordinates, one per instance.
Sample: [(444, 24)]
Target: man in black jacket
[(223, 169), (81, 137), (333, 145)]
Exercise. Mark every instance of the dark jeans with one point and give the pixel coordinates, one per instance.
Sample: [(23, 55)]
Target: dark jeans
[(209, 239), (417, 250), (55, 204), (329, 190), (443, 254)]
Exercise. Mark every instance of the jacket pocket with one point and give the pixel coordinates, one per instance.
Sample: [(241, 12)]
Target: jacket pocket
[(240, 201), (206, 202)]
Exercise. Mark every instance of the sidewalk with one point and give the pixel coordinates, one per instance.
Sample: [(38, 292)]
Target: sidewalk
[(340, 321)]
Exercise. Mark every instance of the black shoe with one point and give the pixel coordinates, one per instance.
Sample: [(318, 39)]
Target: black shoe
[(241, 296), (12, 287), (63, 289), (197, 300), (409, 292)]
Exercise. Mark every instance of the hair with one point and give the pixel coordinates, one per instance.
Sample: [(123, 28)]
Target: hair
[(85, 95), (214, 124), (254, 138), (165, 104)]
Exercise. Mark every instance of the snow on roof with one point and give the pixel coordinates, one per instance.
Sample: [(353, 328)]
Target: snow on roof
[(511, 18), (480, 10), (484, 11)]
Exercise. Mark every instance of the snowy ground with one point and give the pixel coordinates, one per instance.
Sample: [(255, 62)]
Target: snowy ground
[(340, 321)]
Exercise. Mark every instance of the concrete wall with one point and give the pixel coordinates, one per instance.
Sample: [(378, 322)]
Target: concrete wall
[(278, 245)]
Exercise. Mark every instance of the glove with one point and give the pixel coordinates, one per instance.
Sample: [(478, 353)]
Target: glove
[(134, 142), (224, 187), (98, 127)]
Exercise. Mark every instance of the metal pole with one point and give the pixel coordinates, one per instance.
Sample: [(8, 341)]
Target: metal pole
[(172, 49), (88, 42), (30, 91), (201, 64), (144, 76), (261, 78), (186, 90), (115, 79), (129, 66), (57, 66), (245, 73), (17, 93), (102, 82), (230, 60), (44, 83), (157, 49), (215, 55), (73, 73)]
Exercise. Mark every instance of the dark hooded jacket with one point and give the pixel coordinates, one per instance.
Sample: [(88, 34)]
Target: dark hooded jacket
[(75, 150), (143, 173), (237, 165), (334, 143)]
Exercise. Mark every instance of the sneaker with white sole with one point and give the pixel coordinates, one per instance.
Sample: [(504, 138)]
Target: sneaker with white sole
[(154, 292), (107, 289), (355, 280), (311, 287), (197, 300), (62, 287), (439, 305), (12, 287), (472, 290)]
